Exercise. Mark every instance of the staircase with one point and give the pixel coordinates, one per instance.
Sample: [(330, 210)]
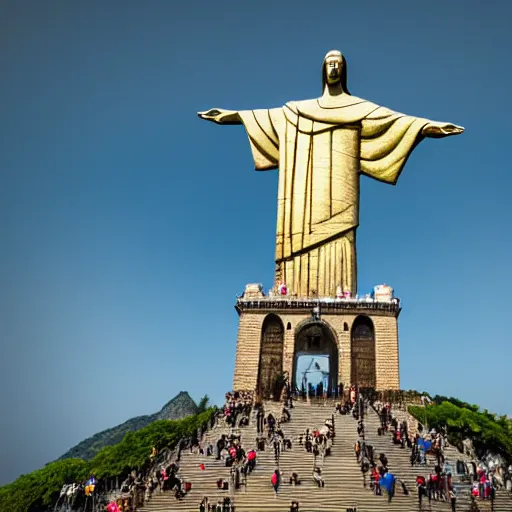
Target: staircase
[(343, 489)]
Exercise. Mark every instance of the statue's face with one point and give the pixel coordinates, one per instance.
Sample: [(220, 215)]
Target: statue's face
[(333, 69)]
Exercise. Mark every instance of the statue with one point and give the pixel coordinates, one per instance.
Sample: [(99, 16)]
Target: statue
[(321, 146)]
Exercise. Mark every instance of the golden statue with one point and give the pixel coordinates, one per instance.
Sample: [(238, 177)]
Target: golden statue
[(321, 147)]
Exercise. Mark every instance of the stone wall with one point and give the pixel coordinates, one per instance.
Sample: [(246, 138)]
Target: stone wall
[(248, 350), (249, 340), (386, 356)]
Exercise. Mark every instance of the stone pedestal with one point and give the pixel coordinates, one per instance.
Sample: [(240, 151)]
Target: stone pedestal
[(339, 316)]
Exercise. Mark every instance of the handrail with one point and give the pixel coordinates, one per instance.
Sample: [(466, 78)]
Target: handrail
[(309, 303)]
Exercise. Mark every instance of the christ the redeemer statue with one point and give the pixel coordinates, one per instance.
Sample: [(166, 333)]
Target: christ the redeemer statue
[(321, 147)]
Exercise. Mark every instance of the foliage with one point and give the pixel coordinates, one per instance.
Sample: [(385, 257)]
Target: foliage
[(203, 404), (466, 421), (40, 489), (179, 407), (439, 399)]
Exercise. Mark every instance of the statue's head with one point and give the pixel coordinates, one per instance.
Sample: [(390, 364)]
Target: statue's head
[(334, 70)]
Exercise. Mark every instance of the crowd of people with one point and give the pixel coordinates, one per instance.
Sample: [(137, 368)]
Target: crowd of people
[(240, 454), (375, 471), (238, 405), (318, 441), (438, 483)]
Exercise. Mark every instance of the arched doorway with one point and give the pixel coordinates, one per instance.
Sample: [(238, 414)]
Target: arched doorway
[(363, 352), (315, 358), (271, 354)]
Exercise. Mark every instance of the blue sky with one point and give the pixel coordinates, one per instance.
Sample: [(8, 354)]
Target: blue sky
[(127, 225)]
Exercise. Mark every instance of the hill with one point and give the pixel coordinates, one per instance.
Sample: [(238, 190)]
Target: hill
[(179, 407), (39, 491)]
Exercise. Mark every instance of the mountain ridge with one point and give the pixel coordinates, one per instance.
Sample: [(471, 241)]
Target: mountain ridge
[(177, 408)]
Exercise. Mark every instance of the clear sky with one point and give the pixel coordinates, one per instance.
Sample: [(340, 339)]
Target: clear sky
[(128, 225)]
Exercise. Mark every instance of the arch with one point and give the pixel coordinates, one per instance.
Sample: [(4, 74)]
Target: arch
[(316, 337), (288, 326), (362, 352), (271, 354), (345, 326)]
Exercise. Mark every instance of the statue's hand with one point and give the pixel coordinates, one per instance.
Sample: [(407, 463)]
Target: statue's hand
[(220, 116), (441, 129)]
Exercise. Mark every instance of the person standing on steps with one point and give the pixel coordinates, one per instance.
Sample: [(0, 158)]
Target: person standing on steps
[(277, 449), (271, 423), (276, 480), (259, 420), (421, 484), (453, 499), (317, 477), (340, 391)]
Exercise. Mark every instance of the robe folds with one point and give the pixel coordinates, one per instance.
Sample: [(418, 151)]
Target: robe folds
[(320, 152)]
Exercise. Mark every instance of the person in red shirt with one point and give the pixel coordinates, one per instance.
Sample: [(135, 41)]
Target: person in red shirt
[(251, 460), (421, 483), (276, 479), (376, 480)]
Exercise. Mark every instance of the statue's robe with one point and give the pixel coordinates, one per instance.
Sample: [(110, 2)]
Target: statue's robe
[(320, 152)]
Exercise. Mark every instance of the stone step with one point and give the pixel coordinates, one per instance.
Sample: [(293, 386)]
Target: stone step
[(343, 479)]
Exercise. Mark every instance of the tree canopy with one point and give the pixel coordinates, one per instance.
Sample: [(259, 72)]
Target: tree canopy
[(462, 420)]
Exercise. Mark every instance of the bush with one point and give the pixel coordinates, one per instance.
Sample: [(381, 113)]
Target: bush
[(40, 489), (463, 420)]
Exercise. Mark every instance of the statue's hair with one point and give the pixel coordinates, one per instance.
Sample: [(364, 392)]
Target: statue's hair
[(343, 71)]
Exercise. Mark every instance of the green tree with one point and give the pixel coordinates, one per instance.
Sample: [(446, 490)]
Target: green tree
[(203, 404), (484, 429)]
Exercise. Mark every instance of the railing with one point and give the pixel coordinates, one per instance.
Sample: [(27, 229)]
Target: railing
[(286, 302)]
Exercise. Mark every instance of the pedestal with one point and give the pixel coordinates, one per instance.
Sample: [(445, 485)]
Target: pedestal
[(361, 335)]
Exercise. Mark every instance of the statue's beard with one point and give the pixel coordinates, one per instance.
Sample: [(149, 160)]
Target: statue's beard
[(333, 76)]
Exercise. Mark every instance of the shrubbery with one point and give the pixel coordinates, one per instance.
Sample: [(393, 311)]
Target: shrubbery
[(40, 489), (487, 431)]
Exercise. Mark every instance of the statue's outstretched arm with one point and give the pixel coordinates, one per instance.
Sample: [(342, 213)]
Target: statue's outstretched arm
[(435, 129), (221, 116)]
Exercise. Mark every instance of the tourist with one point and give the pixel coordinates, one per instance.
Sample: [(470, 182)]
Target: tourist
[(203, 506), (294, 479), (375, 480), (271, 423), (317, 477), (277, 449), (384, 461), (328, 446), (251, 460), (357, 450), (276, 480), (259, 420), (453, 499), (421, 484)]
